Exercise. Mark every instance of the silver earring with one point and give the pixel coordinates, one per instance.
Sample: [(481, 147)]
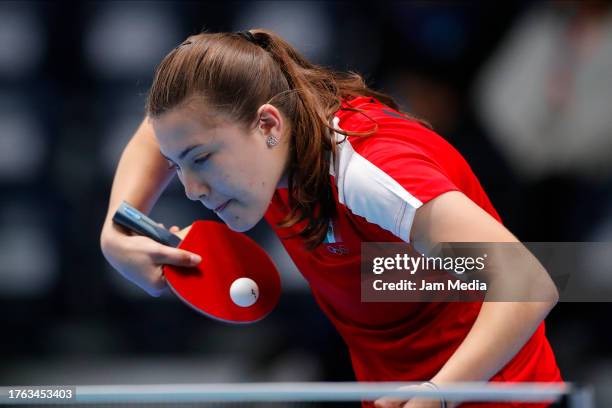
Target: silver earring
[(272, 140)]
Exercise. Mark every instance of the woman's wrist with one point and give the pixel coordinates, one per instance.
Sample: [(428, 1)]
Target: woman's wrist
[(433, 386)]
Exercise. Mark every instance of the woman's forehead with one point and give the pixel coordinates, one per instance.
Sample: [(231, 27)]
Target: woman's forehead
[(179, 124), (177, 129)]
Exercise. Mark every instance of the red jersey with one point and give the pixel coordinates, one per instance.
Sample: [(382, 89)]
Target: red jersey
[(378, 183)]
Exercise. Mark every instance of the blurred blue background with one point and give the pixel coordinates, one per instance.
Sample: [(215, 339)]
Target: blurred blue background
[(522, 89)]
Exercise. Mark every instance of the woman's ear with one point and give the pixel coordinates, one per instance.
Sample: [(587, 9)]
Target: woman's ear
[(270, 124), (269, 120)]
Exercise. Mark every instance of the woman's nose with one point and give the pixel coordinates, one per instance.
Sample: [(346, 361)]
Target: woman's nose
[(194, 188)]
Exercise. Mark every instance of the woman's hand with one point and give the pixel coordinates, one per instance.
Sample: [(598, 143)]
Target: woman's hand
[(422, 403), (181, 233), (394, 402), (140, 259)]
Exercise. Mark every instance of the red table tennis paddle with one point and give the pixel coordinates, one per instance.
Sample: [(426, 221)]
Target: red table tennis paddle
[(236, 282)]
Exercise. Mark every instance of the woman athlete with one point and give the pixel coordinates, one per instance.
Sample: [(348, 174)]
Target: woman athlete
[(254, 131)]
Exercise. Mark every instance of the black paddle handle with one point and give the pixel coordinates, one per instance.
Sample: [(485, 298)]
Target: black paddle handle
[(135, 221)]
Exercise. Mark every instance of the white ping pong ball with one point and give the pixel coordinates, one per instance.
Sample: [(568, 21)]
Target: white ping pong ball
[(244, 292)]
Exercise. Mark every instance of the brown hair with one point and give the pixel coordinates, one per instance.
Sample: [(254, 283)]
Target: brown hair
[(235, 73)]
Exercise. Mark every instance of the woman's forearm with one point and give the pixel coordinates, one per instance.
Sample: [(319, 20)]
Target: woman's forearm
[(142, 173), (520, 292), (498, 333), (519, 297)]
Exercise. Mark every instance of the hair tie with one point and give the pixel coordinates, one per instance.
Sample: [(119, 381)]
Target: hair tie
[(247, 35), (260, 42)]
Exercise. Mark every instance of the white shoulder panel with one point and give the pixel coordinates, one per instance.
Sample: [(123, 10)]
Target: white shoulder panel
[(371, 193)]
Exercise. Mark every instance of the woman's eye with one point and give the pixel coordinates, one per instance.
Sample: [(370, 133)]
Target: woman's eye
[(201, 160)]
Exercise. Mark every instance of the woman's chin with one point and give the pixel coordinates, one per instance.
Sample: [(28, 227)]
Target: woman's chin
[(238, 228), (237, 224)]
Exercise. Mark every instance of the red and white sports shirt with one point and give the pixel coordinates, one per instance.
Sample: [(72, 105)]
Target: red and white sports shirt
[(378, 183)]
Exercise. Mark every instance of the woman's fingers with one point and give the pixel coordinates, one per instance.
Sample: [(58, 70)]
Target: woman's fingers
[(388, 402), (181, 233), (395, 402), (165, 255)]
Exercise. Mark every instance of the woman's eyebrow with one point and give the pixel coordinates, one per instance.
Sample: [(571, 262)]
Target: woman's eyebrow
[(184, 153)]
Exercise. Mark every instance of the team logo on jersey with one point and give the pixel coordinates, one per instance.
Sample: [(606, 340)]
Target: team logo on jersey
[(337, 249)]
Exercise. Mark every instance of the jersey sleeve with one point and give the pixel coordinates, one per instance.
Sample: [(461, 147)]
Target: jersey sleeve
[(386, 179)]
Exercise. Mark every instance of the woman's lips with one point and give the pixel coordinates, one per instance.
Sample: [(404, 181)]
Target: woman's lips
[(222, 206)]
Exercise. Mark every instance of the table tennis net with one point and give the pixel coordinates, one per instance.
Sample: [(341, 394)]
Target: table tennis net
[(298, 395)]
